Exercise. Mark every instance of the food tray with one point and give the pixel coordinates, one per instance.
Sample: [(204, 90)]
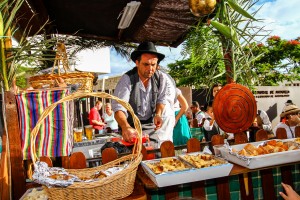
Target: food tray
[(187, 176), (29, 191), (254, 162)]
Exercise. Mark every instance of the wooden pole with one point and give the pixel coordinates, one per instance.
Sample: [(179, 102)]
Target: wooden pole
[(4, 171), (13, 132), (227, 59)]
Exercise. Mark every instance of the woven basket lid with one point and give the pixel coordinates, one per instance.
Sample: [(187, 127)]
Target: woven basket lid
[(234, 108)]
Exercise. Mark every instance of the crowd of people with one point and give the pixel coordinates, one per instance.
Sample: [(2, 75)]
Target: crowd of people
[(162, 109)]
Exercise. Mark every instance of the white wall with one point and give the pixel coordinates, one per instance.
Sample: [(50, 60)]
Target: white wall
[(272, 99)]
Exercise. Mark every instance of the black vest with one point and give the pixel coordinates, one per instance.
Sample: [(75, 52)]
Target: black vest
[(135, 99)]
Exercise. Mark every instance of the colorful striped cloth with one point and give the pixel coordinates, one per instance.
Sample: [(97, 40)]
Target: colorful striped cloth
[(55, 137)]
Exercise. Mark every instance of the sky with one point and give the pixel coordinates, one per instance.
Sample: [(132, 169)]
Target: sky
[(281, 17)]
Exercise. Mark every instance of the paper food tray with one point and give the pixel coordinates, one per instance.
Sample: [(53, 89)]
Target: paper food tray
[(187, 176), (29, 191), (254, 162)]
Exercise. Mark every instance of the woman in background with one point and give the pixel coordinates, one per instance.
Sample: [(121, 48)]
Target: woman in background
[(181, 132), (109, 119)]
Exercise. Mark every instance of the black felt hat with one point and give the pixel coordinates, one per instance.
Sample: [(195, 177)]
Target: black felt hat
[(146, 47)]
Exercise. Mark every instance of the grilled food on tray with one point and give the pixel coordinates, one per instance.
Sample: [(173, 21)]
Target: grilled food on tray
[(271, 146), (166, 165), (202, 160), (297, 140)]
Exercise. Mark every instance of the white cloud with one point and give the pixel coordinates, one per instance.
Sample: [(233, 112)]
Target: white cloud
[(281, 17)]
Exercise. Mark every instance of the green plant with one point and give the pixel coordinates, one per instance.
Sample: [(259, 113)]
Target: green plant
[(29, 50), (216, 46), (280, 61), (8, 11), (38, 51)]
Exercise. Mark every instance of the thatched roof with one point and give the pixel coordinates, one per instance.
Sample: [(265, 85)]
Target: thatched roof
[(164, 22)]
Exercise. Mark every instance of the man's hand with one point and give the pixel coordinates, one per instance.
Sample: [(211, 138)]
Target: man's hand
[(290, 193), (129, 133), (157, 121)]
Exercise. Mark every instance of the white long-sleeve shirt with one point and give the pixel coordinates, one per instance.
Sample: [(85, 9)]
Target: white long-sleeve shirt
[(266, 124), (290, 131)]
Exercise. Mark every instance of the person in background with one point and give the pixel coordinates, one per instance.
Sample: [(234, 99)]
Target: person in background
[(165, 133), (210, 125), (291, 115), (290, 193), (95, 118), (261, 121), (216, 88), (109, 119), (287, 103), (189, 117), (181, 132), (199, 115), (144, 88)]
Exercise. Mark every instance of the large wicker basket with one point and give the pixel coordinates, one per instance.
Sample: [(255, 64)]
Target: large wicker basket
[(118, 185), (84, 79)]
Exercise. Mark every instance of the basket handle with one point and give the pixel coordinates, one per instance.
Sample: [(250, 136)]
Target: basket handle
[(138, 146), (61, 56)]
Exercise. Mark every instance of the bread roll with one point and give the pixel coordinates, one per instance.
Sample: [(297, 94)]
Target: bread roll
[(271, 142), (251, 149)]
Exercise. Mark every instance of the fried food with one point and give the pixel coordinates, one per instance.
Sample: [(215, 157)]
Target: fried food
[(202, 160), (297, 140), (251, 149), (166, 165), (272, 142), (271, 146)]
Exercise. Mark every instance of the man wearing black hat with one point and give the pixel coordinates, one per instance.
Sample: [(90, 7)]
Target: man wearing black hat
[(144, 88)]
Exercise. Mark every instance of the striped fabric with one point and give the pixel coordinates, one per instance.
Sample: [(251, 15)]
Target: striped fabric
[(55, 137)]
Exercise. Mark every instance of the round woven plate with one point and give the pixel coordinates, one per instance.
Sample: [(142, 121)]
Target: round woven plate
[(234, 108)]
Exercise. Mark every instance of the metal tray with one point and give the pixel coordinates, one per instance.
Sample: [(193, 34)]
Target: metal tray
[(187, 176), (266, 160)]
